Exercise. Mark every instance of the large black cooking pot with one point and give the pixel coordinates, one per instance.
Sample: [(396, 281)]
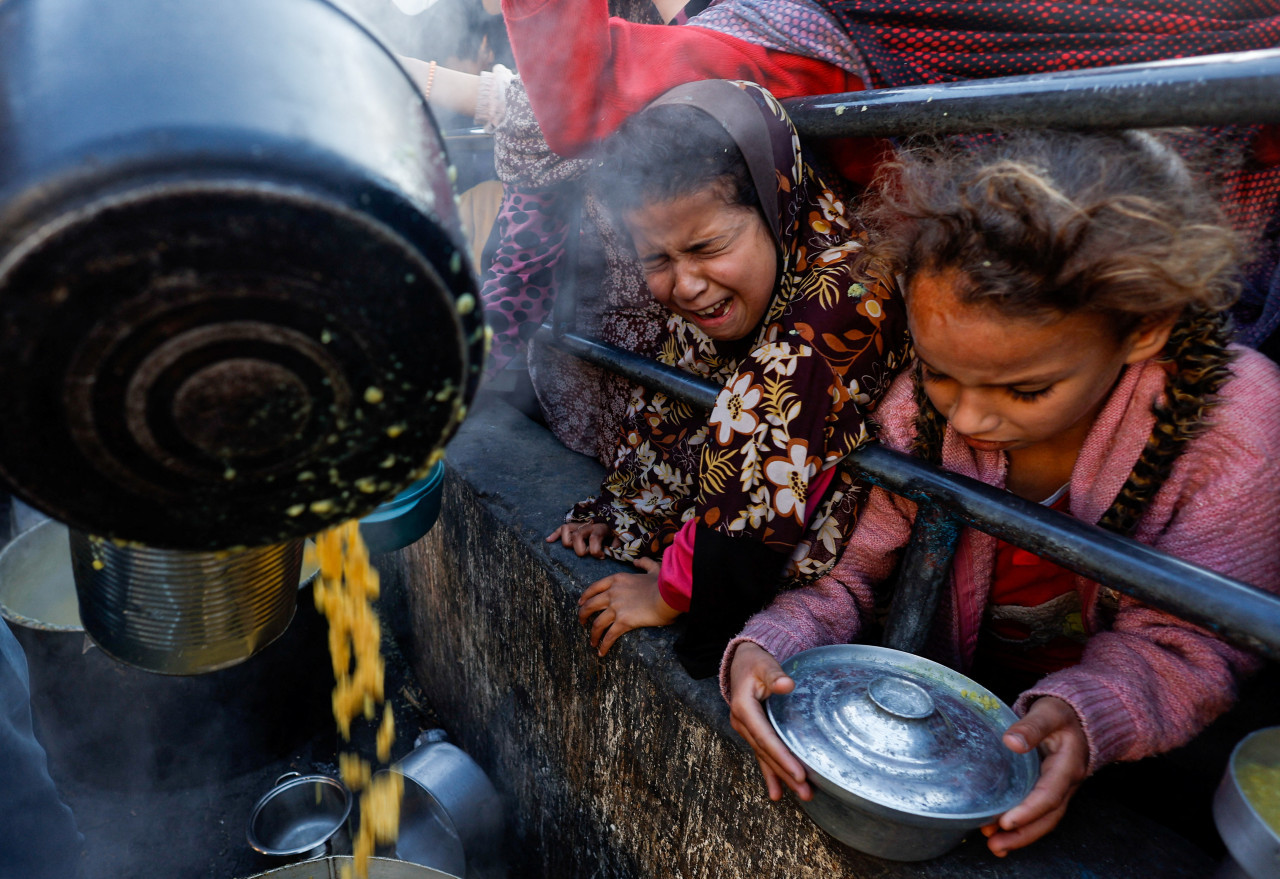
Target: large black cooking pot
[(235, 304)]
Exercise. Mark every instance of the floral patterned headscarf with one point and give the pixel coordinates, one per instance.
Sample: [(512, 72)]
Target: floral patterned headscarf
[(795, 393)]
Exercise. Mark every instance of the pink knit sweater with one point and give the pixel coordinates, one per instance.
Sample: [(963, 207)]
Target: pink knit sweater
[(1149, 682)]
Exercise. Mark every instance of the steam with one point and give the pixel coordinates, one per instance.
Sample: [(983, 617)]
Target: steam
[(465, 35), (413, 7)]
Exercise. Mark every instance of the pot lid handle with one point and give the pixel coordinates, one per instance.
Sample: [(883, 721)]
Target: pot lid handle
[(900, 698)]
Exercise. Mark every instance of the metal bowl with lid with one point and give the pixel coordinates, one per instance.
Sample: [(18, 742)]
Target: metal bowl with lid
[(904, 755), (1246, 807)]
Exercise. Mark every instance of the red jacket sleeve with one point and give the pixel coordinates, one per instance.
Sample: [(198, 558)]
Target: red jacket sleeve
[(586, 72)]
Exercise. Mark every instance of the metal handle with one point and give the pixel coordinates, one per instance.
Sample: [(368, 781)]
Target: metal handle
[(901, 698), (430, 737), (281, 780)]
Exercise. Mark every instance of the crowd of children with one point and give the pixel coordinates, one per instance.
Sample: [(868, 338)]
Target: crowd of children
[(1067, 298), (1068, 301)]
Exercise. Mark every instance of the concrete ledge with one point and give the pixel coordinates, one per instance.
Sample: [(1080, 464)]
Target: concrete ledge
[(624, 767)]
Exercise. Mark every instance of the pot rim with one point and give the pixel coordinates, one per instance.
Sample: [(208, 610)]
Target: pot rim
[(889, 811), (12, 548), (1267, 737), (894, 814), (284, 783)]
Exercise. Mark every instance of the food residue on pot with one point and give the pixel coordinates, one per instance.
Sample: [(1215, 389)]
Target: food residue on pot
[(985, 701), (1260, 784)]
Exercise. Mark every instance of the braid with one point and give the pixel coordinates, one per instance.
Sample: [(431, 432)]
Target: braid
[(929, 423), (1197, 348)]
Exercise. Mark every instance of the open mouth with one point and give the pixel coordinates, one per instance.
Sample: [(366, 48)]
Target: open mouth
[(720, 309)]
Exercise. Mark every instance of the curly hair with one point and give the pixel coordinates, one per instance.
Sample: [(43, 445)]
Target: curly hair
[(1045, 224), (1041, 225)]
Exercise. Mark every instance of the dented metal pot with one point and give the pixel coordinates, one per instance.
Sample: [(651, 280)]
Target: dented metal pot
[(232, 275), (451, 816), (184, 612)]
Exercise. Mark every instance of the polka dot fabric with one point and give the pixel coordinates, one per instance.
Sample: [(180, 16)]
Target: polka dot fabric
[(914, 42), (907, 42), (518, 289), (800, 27)]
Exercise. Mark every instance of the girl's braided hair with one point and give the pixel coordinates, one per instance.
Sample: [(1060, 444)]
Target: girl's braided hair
[(1041, 225)]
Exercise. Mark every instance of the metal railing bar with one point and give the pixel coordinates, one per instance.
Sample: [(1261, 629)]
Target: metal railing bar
[(921, 576), (1236, 611), (1231, 88), (658, 376)]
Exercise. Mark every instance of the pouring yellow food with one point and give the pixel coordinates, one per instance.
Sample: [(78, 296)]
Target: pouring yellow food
[(344, 593)]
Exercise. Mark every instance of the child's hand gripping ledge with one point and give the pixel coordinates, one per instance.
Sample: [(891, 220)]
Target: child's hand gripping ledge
[(622, 602)]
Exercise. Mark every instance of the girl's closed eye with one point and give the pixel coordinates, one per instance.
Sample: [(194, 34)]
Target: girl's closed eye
[(930, 375), (1028, 396), (1022, 394), (712, 247), (653, 262)]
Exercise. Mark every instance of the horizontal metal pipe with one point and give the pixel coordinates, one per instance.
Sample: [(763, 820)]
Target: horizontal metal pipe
[(1231, 88), (650, 373), (1234, 610), (1237, 611)]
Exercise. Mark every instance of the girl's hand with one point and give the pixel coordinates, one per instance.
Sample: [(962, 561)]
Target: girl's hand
[(1053, 726), (753, 677), (584, 538), (622, 602)]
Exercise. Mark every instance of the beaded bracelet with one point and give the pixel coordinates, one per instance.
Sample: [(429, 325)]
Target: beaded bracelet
[(431, 78)]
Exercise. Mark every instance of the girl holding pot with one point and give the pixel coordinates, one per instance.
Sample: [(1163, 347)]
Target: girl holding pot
[(1066, 298)]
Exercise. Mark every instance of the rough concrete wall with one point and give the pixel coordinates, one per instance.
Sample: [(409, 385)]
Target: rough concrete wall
[(624, 767)]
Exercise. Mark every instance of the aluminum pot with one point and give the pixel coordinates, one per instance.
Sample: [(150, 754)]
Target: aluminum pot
[(233, 279), (451, 815), (1249, 828), (338, 867), (37, 586), (904, 755), (302, 816)]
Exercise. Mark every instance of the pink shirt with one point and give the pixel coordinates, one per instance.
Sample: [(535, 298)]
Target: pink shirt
[(1150, 681), (675, 577)]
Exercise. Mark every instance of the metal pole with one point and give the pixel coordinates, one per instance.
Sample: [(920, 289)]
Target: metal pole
[(921, 578), (1235, 87), (1236, 611), (658, 376)]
